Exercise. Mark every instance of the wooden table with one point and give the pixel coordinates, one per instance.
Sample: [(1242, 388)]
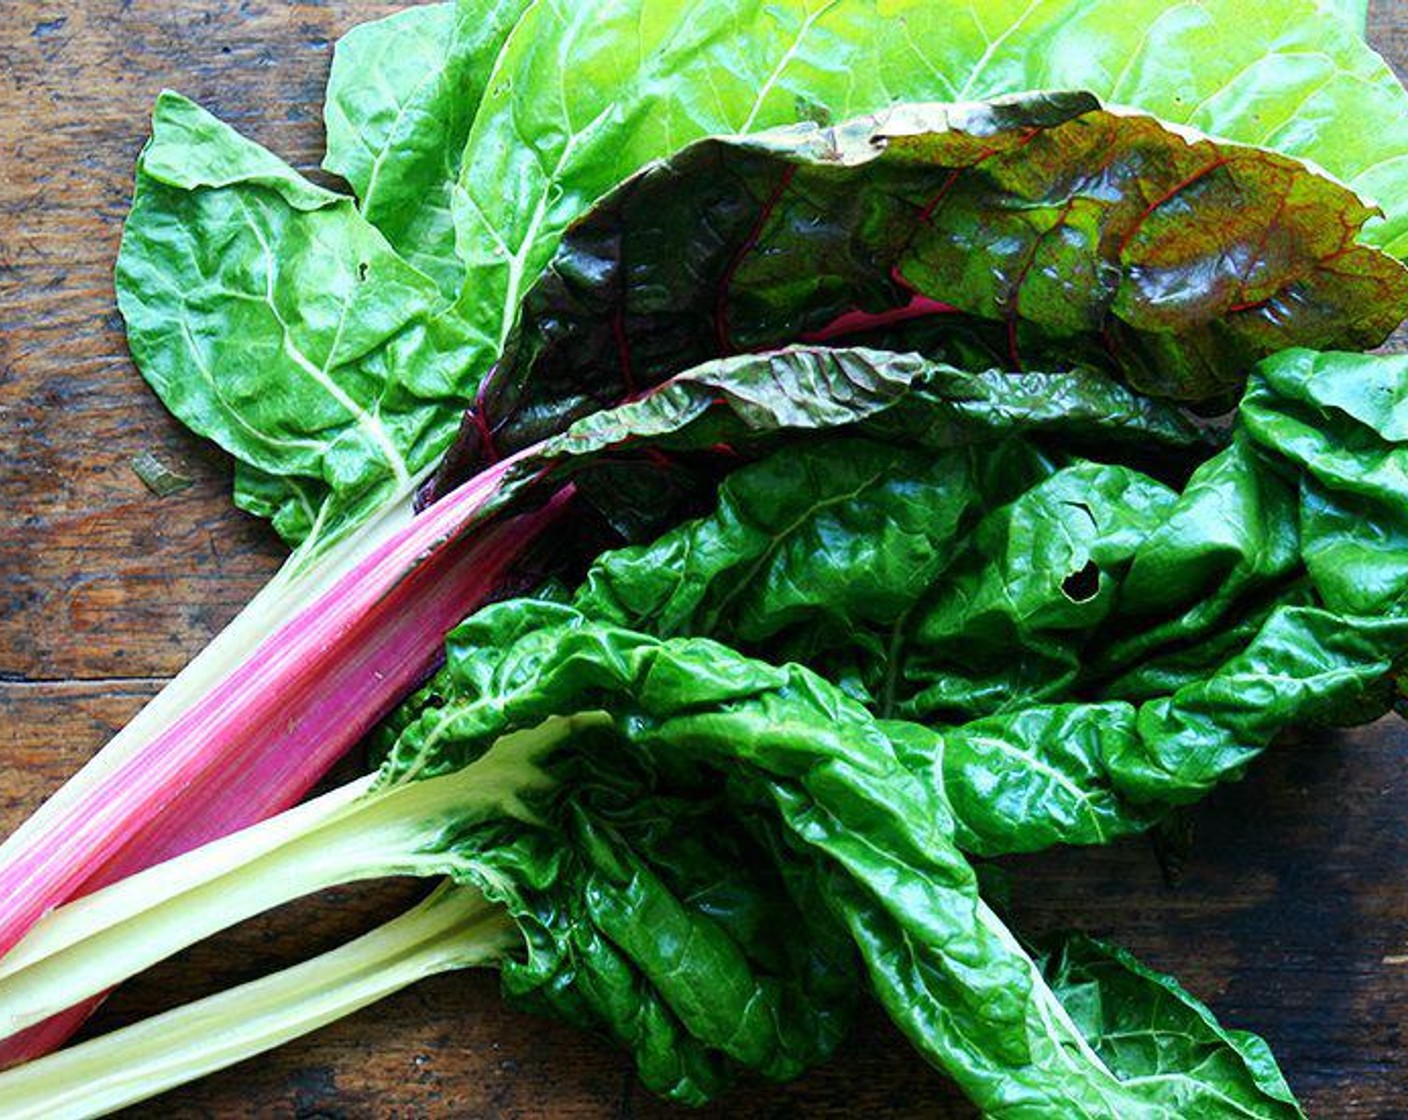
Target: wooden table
[(1292, 919)]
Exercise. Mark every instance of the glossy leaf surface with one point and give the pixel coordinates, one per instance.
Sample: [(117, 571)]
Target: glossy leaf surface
[(1040, 232), (401, 98), (1093, 642), (827, 805), (585, 95)]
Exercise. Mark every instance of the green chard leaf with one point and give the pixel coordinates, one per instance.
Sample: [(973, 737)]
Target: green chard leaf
[(1037, 232), (1032, 778), (539, 110), (649, 462), (585, 95), (642, 921), (401, 98), (1353, 12), (648, 914), (1343, 420), (273, 319), (1143, 1024), (1093, 643)]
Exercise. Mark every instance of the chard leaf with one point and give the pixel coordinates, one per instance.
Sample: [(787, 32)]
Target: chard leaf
[(401, 97), (1305, 665), (1042, 231), (737, 406), (829, 808), (872, 526), (1093, 644), (649, 914), (1038, 776), (1343, 419), (736, 409), (1041, 575), (585, 95), (1353, 12), (273, 319), (405, 90), (1143, 1024)]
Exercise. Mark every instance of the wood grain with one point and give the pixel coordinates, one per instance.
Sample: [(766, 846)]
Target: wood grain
[(1292, 919)]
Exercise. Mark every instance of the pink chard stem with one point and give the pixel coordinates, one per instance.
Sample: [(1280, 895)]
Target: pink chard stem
[(261, 738)]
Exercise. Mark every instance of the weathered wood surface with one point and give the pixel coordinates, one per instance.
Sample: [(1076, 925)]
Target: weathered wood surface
[(1292, 919)]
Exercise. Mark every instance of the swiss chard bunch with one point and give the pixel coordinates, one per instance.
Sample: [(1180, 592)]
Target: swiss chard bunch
[(708, 856), (838, 443), (898, 226), (703, 856)]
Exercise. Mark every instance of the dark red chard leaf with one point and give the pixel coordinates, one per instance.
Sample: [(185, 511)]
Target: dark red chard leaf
[(1042, 231)]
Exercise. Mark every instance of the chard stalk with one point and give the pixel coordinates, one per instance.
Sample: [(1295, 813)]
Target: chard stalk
[(358, 832), (330, 646), (454, 928), (308, 569)]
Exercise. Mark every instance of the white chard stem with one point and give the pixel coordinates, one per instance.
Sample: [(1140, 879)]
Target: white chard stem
[(454, 928), (353, 833)]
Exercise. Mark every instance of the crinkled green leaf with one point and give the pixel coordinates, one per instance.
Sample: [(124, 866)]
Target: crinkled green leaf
[(1042, 232), (1029, 779), (1233, 531), (401, 98), (948, 431), (190, 149), (1093, 643), (1040, 578), (1304, 665), (738, 408), (575, 106), (818, 792), (272, 318), (872, 527), (1017, 779), (1143, 1024), (649, 914), (1343, 419)]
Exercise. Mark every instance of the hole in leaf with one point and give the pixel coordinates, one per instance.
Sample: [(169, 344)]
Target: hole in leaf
[(1085, 509), (1082, 586), (361, 270)]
